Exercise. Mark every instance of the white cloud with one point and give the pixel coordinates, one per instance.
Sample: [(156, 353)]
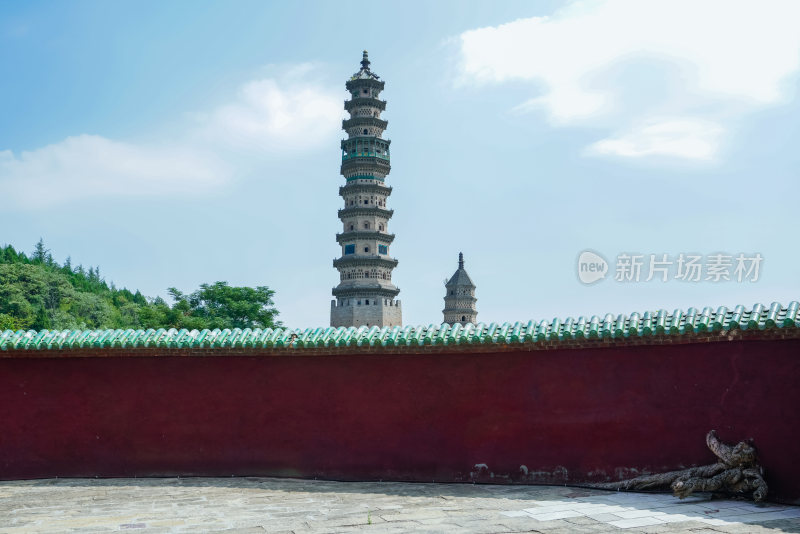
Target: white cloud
[(89, 166), (683, 138), (268, 115), (276, 114), (725, 58)]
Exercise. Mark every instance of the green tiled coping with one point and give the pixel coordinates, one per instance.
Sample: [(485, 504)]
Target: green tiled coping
[(648, 324)]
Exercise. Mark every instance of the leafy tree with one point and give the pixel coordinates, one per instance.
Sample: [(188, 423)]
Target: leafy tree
[(219, 305), (8, 322)]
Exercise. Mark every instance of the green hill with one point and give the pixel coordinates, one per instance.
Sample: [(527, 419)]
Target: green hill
[(38, 293)]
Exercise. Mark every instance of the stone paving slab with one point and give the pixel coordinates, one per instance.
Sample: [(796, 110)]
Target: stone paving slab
[(284, 506)]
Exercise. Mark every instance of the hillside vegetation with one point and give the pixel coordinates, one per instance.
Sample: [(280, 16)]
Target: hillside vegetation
[(38, 293)]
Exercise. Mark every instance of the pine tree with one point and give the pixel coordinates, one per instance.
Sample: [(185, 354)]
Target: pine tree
[(40, 253)]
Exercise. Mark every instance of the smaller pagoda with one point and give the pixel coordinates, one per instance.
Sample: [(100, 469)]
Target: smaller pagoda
[(459, 299)]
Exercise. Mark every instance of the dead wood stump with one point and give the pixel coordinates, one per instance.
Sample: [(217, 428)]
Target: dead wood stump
[(736, 473)]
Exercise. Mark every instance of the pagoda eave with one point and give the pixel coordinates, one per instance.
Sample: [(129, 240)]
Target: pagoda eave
[(359, 83), (462, 311), (368, 290), (365, 165), (380, 212), (378, 236), (357, 260), (365, 121)]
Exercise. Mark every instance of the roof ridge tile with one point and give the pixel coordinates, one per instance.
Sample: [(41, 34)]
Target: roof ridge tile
[(607, 327)]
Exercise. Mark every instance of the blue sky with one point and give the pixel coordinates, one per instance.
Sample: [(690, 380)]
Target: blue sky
[(177, 143)]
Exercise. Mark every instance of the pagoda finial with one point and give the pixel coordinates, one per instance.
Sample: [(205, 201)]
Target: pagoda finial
[(460, 260), (365, 61)]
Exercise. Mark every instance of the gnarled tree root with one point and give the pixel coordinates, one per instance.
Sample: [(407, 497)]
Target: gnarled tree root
[(737, 473)]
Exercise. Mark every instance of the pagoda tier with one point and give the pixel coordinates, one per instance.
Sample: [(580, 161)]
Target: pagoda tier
[(360, 107), (358, 234), (365, 167), (353, 187), (358, 125)]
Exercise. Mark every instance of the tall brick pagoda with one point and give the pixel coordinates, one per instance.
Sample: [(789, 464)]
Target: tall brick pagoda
[(365, 295)]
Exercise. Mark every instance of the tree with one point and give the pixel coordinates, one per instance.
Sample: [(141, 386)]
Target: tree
[(38, 293), (219, 305), (42, 320), (40, 253), (8, 322)]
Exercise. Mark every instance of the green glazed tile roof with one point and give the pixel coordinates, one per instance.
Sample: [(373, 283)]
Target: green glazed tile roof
[(621, 327)]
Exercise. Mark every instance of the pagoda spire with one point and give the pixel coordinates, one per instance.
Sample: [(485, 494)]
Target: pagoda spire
[(365, 295)]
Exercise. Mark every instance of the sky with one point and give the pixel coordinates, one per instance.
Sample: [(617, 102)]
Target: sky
[(185, 142)]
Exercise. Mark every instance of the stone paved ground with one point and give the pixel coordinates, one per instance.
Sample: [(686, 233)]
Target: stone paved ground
[(250, 505)]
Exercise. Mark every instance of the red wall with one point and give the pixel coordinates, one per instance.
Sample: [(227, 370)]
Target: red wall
[(568, 415)]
